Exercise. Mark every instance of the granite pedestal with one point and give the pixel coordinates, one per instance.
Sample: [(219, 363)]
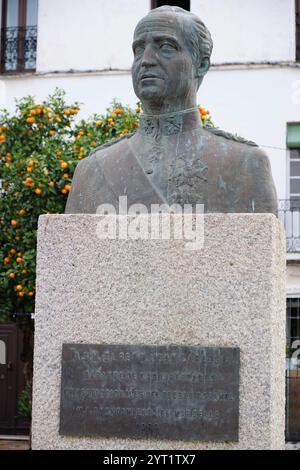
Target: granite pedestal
[(230, 293)]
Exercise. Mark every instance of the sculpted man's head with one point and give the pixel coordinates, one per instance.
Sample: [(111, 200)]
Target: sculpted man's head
[(172, 49), (172, 158)]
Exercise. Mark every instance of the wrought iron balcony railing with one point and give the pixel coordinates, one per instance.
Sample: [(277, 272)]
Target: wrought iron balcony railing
[(18, 49), (289, 214)]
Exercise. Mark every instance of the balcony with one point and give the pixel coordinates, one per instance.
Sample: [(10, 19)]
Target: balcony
[(18, 49), (289, 214)]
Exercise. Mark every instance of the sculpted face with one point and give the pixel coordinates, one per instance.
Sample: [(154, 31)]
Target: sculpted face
[(162, 70)]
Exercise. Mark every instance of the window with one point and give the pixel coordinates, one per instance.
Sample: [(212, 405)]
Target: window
[(186, 4), (293, 143), (18, 35), (297, 29), (295, 174), (293, 370), (2, 352)]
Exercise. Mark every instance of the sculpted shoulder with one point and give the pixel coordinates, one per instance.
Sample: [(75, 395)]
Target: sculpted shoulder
[(227, 137), (243, 149), (110, 148), (88, 165)]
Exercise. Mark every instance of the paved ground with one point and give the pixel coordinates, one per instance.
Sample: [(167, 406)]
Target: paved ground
[(13, 445), (292, 446)]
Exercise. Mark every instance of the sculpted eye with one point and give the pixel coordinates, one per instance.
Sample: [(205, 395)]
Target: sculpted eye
[(139, 51), (168, 46)]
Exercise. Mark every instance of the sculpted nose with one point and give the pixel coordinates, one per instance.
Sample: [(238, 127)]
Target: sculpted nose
[(149, 57)]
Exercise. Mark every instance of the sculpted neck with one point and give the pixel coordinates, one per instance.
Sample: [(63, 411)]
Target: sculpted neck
[(156, 125)]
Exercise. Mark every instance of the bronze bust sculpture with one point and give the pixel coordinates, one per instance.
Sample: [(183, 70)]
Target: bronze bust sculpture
[(172, 158)]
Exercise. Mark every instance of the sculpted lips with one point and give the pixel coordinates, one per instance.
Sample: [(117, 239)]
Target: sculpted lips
[(147, 76)]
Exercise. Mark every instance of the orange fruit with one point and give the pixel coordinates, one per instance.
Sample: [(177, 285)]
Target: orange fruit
[(64, 191), (19, 287), (30, 163), (52, 132), (68, 187), (29, 169), (13, 251), (19, 259), (2, 138), (51, 184), (14, 223), (6, 260), (119, 111), (22, 212), (30, 120), (38, 191), (66, 176), (24, 271), (21, 294), (12, 275), (30, 293), (64, 165), (33, 112)]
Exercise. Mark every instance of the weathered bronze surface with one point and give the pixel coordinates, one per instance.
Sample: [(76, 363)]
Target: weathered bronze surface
[(172, 159), (139, 391)]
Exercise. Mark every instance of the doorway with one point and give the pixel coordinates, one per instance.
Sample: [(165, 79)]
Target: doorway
[(11, 379)]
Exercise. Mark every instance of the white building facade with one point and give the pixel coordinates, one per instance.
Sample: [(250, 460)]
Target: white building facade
[(252, 87)]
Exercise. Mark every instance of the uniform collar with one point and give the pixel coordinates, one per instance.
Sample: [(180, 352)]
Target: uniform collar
[(156, 125)]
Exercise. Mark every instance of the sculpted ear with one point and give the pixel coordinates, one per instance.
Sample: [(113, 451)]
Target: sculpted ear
[(203, 67)]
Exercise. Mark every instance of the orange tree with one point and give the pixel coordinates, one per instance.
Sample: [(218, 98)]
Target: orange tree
[(40, 146)]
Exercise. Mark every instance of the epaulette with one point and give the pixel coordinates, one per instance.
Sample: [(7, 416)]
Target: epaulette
[(228, 135), (111, 142)]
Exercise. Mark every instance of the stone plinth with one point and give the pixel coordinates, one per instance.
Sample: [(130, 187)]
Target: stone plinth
[(230, 293)]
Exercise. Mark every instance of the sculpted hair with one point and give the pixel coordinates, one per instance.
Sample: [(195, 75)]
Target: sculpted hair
[(198, 35)]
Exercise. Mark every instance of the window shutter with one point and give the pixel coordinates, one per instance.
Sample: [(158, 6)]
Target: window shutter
[(293, 135)]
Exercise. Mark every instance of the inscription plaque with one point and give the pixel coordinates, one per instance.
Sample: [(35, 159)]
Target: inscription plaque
[(139, 391)]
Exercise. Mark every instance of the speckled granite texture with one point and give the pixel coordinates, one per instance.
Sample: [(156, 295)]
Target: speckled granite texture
[(230, 293)]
